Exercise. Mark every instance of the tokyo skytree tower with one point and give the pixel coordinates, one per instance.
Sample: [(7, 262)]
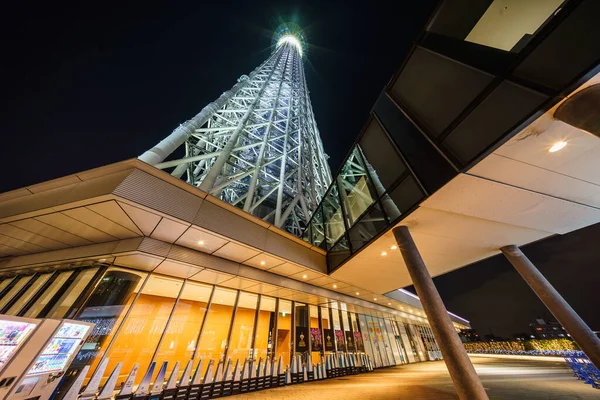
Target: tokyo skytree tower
[(257, 146)]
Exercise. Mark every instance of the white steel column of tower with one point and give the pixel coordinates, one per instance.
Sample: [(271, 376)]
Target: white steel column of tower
[(257, 146)]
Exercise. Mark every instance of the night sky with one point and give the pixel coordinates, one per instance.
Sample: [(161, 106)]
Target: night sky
[(88, 84)]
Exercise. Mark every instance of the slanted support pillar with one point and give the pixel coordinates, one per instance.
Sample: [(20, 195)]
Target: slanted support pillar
[(562, 311), (467, 383)]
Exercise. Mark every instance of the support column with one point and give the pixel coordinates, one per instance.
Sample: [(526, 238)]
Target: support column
[(467, 383), (562, 311)]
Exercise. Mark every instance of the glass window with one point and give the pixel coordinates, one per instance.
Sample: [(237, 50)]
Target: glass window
[(5, 283), (354, 186), (37, 307), (366, 338), (316, 338), (143, 327), (501, 24), (181, 336), (71, 294), (317, 229), (382, 161), (367, 227), (332, 216), (338, 253), (301, 331), (265, 330), (22, 281), (406, 194), (284, 331), (213, 340), (31, 291), (106, 307), (242, 333)]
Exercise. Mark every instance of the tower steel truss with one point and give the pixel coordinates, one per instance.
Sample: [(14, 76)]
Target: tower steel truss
[(257, 146)]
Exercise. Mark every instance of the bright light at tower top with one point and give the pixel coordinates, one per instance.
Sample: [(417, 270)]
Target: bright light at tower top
[(291, 39), (290, 33)]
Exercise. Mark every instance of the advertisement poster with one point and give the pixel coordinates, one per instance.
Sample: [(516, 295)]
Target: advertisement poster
[(350, 342), (301, 339), (328, 336), (316, 340), (358, 342), (339, 339)]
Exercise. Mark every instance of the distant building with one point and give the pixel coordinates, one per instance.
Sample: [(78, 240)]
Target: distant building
[(542, 329), (469, 335)]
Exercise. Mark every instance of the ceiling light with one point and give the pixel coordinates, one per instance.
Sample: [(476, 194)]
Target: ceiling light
[(389, 304), (262, 263), (375, 298), (304, 276), (384, 253), (402, 308), (394, 247), (335, 286), (220, 301), (557, 146), (200, 242), (357, 293)]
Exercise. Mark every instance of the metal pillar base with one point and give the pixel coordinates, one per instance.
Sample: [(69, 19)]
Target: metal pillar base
[(556, 304), (467, 383)]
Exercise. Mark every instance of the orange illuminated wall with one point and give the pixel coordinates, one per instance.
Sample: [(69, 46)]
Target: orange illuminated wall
[(241, 335)]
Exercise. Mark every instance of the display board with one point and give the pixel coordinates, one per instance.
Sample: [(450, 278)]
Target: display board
[(59, 350), (12, 335)]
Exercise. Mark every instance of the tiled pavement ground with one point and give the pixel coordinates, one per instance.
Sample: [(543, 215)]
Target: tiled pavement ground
[(502, 378)]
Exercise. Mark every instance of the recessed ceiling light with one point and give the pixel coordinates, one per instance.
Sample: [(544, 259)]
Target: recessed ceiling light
[(389, 304), (200, 242), (335, 286), (394, 247), (557, 146), (357, 293), (220, 301), (304, 276), (384, 253), (402, 308), (375, 298), (262, 263), (410, 311)]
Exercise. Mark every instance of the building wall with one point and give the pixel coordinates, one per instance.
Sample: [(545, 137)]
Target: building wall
[(143, 317)]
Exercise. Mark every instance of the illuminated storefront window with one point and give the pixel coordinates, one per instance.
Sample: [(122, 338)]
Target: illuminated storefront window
[(213, 341), (284, 331), (265, 330), (242, 332), (181, 336)]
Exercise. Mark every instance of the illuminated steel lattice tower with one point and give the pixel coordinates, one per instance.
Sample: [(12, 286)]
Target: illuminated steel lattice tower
[(257, 146)]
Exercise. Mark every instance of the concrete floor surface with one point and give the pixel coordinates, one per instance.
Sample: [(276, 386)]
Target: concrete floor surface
[(502, 378)]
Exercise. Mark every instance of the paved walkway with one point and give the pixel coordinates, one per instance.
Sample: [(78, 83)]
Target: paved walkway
[(503, 379)]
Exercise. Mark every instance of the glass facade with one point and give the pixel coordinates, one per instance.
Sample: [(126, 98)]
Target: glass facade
[(144, 317), (372, 191)]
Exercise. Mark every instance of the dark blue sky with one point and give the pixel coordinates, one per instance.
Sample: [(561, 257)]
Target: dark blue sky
[(91, 83)]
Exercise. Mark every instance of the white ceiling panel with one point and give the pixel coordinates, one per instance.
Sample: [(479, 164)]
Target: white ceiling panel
[(71, 225), (262, 288), (481, 198), (239, 283), (211, 276), (145, 220), (45, 230), (175, 268), (199, 239), (26, 236), (144, 262), (306, 275), (264, 261), (101, 223), (287, 269), (112, 211), (236, 252), (169, 230)]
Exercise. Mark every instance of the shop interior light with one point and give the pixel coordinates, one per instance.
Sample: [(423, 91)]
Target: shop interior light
[(384, 253)]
